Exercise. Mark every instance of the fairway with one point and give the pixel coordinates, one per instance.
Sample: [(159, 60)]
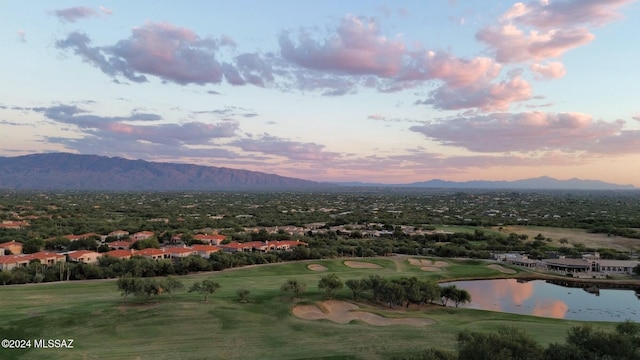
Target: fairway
[(103, 326)]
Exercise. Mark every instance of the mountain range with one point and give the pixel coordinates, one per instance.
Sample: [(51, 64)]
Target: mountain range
[(539, 183), (64, 171)]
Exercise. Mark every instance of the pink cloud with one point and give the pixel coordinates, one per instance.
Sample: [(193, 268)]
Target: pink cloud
[(547, 29), (356, 48), (550, 70), (172, 53), (557, 14), (483, 96), (106, 11), (530, 131), (511, 44), (293, 150), (636, 117), (358, 55), (74, 14)]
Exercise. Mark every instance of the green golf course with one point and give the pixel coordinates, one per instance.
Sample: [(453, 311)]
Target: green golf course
[(102, 325)]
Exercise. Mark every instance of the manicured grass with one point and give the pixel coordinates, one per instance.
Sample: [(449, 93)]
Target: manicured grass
[(183, 327)]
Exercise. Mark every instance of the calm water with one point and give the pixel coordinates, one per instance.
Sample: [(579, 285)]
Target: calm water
[(548, 300)]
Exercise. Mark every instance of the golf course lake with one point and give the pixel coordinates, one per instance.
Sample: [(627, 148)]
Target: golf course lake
[(540, 298)]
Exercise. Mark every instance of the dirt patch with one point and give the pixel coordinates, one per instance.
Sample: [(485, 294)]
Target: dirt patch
[(317, 267), (573, 236), (440, 264), (502, 269), (362, 265), (430, 268), (343, 312)]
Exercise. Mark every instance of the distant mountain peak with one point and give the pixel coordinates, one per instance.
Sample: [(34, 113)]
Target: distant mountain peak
[(538, 183)]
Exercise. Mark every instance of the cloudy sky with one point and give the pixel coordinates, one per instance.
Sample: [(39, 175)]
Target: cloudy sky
[(374, 91)]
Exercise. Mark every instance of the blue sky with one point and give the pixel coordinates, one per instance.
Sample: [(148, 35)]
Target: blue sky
[(371, 91)]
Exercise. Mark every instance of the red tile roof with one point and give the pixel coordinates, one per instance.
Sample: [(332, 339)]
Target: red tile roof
[(119, 253), (80, 253), (199, 247)]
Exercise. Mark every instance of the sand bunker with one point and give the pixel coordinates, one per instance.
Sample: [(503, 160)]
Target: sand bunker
[(317, 267), (430, 268), (343, 312), (502, 269), (419, 262), (428, 265), (362, 265)]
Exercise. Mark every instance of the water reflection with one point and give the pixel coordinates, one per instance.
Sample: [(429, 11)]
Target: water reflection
[(548, 300)]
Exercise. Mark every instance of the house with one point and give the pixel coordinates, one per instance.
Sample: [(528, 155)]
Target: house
[(260, 246), (142, 235), (16, 225), (120, 245), (84, 256), (10, 262), (46, 258), (214, 239), (72, 237), (153, 254), (205, 250), (234, 247), (179, 252), (12, 246), (120, 254)]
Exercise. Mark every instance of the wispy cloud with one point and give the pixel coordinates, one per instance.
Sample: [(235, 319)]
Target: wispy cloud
[(74, 14), (293, 150), (532, 131)]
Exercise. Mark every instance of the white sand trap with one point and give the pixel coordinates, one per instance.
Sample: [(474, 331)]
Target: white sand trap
[(430, 268), (317, 267), (420, 262), (428, 263), (362, 265), (502, 269), (343, 312)]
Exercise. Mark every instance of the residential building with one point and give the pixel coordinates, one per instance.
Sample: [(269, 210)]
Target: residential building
[(12, 246), (84, 256)]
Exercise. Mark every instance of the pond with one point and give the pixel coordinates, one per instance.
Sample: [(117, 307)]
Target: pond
[(540, 298)]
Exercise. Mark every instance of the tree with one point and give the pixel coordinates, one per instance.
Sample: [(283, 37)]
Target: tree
[(171, 285), (32, 246), (5, 277), (128, 285), (429, 291), (392, 293), (293, 286), (461, 296), (243, 294), (205, 288), (507, 344), (373, 282), (330, 284), (357, 286)]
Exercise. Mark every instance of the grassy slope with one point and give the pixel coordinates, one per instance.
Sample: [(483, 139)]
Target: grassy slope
[(95, 316)]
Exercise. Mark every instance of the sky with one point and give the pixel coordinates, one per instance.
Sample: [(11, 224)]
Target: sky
[(371, 91)]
